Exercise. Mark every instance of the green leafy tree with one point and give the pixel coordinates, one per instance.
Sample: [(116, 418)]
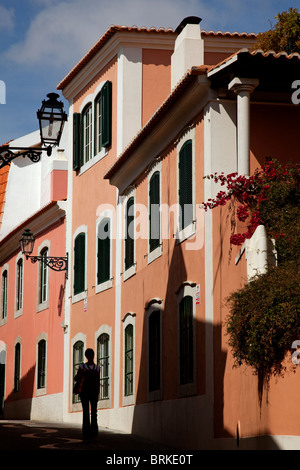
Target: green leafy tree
[(264, 318), (284, 35)]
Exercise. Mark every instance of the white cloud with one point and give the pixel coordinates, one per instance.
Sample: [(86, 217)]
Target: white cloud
[(62, 32), (7, 18)]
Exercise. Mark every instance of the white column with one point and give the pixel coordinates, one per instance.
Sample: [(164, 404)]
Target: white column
[(243, 87)]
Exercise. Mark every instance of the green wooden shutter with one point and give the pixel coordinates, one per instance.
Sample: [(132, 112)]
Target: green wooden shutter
[(79, 264), (186, 184), (154, 212), (106, 112), (129, 241), (76, 141), (103, 274), (186, 340)]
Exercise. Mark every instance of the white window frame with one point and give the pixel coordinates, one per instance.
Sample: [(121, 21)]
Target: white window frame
[(129, 319), (3, 319), (127, 273), (78, 337), (81, 295), (19, 311), (107, 214), (186, 289), (96, 156), (105, 329), (152, 255), (152, 306), (41, 391), (190, 230), (45, 303)]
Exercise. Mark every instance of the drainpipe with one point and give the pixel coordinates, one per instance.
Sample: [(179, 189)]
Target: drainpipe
[(243, 87)]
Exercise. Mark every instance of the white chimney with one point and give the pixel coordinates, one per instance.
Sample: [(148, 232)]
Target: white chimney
[(189, 49)]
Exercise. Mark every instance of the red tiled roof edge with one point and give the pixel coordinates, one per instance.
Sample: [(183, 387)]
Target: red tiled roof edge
[(161, 111), (115, 28)]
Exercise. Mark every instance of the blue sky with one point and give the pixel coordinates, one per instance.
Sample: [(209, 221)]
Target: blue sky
[(41, 40)]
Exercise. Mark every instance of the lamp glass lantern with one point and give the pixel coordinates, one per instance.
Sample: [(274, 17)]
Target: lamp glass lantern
[(27, 242), (51, 120)]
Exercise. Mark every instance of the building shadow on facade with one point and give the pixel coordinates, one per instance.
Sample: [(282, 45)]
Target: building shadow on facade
[(190, 415), (18, 403)]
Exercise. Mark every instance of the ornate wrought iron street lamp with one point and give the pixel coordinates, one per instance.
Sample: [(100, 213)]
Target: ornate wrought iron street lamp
[(57, 263), (51, 118)]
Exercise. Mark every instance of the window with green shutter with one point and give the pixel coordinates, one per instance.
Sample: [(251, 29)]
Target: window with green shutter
[(106, 113), (76, 141), (78, 358), (186, 359), (41, 374), (154, 352), (154, 212), (129, 234), (87, 133), (79, 263), (103, 118), (186, 185), (128, 351), (103, 261), (103, 362)]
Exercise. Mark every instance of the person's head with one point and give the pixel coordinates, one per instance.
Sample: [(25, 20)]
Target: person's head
[(89, 354)]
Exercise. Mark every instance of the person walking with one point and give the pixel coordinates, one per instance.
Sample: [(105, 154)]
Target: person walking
[(87, 385)]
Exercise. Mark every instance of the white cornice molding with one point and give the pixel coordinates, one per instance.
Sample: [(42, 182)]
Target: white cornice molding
[(38, 222), (110, 51)]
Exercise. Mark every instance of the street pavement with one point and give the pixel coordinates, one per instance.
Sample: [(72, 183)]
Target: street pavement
[(22, 435)]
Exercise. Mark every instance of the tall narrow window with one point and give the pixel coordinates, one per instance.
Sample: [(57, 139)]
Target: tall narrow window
[(41, 373), (129, 234), (103, 362), (104, 254), (154, 351), (79, 263), (186, 359), (103, 113), (87, 133), (98, 123), (4, 287), (17, 374), (19, 293), (128, 354), (78, 358), (154, 212), (185, 185), (43, 289)]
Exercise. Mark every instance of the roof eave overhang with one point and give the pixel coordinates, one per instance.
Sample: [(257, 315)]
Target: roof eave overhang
[(276, 72), (154, 139)]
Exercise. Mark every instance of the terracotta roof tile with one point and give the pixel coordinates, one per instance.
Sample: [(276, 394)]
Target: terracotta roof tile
[(115, 28)]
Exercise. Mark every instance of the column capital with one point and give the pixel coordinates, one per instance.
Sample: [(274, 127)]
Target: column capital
[(243, 84)]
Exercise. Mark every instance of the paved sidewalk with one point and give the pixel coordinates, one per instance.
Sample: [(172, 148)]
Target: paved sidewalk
[(35, 435)]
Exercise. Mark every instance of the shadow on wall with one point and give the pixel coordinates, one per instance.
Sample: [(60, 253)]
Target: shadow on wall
[(189, 416), (18, 404)]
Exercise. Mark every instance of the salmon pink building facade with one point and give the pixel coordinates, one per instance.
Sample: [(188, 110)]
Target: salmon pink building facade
[(32, 295), (151, 113)]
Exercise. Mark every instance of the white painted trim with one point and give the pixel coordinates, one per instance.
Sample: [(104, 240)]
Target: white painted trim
[(129, 319), (190, 230), (19, 312), (81, 295), (107, 330), (155, 305), (41, 391), (153, 255), (3, 320), (187, 289), (127, 273), (42, 305), (107, 214), (78, 337)]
